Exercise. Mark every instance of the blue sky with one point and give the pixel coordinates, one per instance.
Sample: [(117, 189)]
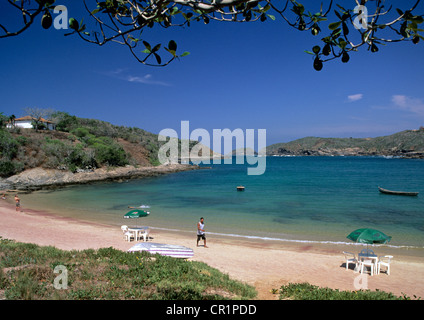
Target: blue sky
[(248, 76)]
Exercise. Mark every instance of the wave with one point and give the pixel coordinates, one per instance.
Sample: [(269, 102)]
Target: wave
[(295, 240)]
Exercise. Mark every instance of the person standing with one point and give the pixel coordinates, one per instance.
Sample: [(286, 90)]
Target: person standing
[(201, 232), (18, 202)]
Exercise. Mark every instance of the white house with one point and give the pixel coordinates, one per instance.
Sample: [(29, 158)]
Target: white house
[(27, 121)]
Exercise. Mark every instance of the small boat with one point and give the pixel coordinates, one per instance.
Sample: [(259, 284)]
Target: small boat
[(400, 193), (174, 251), (240, 188)]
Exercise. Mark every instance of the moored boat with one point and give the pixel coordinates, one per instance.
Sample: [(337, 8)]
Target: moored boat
[(399, 193)]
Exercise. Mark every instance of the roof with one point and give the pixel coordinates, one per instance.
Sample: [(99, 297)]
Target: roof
[(29, 118)]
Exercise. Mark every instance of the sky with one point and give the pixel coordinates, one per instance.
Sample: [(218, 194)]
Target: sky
[(238, 75)]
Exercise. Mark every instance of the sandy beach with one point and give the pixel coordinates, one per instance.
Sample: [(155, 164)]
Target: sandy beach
[(264, 264)]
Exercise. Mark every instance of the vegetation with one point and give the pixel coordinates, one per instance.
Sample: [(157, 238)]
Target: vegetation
[(76, 144), (306, 291), (395, 144), (8, 151), (27, 272), (341, 30)]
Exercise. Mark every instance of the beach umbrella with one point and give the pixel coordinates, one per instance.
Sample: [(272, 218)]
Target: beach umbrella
[(136, 213), (368, 236)]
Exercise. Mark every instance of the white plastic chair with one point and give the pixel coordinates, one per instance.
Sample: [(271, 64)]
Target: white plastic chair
[(145, 234), (367, 263), (350, 258), (384, 261), (127, 234)]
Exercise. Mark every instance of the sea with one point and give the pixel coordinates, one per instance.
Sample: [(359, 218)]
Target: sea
[(303, 199)]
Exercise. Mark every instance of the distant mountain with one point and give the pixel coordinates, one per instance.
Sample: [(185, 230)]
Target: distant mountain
[(406, 144)]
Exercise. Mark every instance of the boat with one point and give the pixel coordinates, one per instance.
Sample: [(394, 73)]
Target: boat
[(400, 193), (175, 251), (240, 188)]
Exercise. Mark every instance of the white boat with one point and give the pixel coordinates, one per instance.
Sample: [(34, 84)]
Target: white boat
[(170, 250)]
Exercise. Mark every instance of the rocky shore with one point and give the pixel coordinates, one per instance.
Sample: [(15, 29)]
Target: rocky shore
[(38, 178), (402, 153)]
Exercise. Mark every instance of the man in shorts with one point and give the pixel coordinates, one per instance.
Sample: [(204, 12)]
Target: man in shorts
[(201, 232), (18, 203)]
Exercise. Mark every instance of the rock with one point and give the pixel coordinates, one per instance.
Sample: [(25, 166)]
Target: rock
[(39, 177)]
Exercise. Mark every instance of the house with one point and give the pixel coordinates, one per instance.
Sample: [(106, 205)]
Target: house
[(27, 123)]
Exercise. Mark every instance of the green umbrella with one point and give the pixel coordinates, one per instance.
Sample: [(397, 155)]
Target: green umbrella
[(368, 236), (136, 213)]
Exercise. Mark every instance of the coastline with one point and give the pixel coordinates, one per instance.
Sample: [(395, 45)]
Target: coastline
[(38, 178), (264, 264)]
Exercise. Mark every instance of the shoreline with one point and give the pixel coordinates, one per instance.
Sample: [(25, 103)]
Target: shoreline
[(40, 178), (264, 264)]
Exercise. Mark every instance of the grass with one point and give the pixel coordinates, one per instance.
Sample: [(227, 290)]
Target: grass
[(306, 291), (27, 272)]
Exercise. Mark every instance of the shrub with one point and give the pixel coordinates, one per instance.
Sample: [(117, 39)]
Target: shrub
[(8, 145), (306, 291), (64, 121), (9, 168), (80, 132)]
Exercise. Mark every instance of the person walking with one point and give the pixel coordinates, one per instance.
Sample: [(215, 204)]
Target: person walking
[(201, 232)]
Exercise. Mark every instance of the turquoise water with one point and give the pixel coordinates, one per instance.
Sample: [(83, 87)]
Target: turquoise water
[(297, 199)]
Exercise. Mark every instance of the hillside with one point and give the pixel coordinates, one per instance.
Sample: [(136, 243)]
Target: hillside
[(406, 144), (77, 149)]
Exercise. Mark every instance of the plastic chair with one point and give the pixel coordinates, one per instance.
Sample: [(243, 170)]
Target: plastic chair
[(127, 234), (384, 261), (350, 258), (145, 234), (367, 263)]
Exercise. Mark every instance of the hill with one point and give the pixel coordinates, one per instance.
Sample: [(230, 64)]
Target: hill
[(78, 146), (406, 144)]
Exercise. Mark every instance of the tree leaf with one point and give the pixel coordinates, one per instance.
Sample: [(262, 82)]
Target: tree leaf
[(147, 45), (158, 58), (156, 48), (172, 46), (334, 25), (400, 12), (345, 29)]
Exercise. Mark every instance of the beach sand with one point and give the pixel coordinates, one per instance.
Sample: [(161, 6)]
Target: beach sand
[(264, 264)]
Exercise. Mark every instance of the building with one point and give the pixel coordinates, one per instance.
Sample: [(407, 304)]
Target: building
[(27, 123)]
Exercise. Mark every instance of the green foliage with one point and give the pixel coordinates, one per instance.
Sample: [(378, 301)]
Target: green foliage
[(63, 153), (306, 291), (77, 143), (108, 151), (80, 132), (8, 151), (8, 145), (108, 274), (64, 121), (3, 120), (9, 168)]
